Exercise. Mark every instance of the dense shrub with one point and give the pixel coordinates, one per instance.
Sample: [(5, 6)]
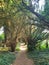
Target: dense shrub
[(40, 57), (31, 44), (6, 58)]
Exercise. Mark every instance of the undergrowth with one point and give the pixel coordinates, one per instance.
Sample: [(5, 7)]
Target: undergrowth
[(6, 58), (39, 57)]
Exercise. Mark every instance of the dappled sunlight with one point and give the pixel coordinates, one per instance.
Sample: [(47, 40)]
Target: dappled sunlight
[(24, 29), (1, 30), (23, 47)]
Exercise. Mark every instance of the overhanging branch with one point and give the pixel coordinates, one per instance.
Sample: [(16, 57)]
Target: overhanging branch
[(37, 14)]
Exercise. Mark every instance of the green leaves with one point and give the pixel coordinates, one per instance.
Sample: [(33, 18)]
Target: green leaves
[(6, 58), (46, 10)]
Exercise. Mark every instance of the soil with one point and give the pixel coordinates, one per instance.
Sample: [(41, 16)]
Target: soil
[(22, 59)]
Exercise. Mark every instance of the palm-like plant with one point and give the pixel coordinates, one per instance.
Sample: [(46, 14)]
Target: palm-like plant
[(36, 36)]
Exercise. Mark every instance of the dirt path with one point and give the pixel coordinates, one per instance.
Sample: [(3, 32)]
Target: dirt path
[(22, 59)]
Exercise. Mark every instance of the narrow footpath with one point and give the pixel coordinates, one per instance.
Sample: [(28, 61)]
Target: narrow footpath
[(22, 59)]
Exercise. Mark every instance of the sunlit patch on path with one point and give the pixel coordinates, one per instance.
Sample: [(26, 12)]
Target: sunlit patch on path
[(23, 47)]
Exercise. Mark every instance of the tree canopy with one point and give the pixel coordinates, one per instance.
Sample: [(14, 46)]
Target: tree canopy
[(20, 17)]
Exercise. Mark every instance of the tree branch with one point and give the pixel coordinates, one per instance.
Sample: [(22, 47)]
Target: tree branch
[(37, 14)]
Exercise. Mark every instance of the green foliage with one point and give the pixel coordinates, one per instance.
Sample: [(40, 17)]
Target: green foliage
[(6, 58), (46, 10), (2, 36), (18, 47), (37, 38), (40, 57), (15, 15)]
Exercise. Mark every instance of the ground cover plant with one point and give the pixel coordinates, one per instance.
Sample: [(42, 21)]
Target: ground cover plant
[(6, 58), (40, 57)]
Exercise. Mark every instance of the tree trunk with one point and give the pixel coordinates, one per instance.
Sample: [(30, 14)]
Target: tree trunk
[(13, 45), (46, 43)]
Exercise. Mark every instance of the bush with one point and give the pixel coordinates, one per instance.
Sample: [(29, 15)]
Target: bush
[(6, 58), (31, 44), (39, 57)]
